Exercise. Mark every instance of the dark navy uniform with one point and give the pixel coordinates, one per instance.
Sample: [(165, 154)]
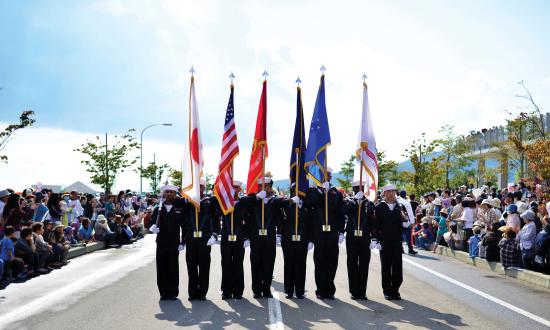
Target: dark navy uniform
[(295, 243), (232, 250), (170, 220), (262, 247), (389, 227), (197, 254), (358, 238), (325, 255)]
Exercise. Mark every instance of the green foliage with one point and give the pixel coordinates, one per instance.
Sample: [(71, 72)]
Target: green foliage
[(387, 169), (175, 177), (347, 168), (26, 119), (455, 151), (428, 169), (104, 164), (153, 173), (210, 179)]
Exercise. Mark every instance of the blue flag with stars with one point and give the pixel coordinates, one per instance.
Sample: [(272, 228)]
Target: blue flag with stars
[(319, 139), (298, 152)]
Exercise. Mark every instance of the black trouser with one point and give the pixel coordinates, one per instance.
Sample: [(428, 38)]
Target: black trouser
[(468, 232), (167, 270), (262, 260), (44, 258), (407, 237), (197, 258), (392, 267), (295, 255), (30, 259), (325, 257), (358, 252), (232, 267)]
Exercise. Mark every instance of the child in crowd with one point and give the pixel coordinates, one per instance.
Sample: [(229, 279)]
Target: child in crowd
[(474, 241), (509, 253)]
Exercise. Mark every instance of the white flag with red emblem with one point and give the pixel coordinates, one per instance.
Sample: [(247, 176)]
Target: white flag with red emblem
[(192, 159), (366, 151)]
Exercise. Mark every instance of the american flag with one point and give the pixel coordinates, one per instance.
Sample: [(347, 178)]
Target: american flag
[(223, 188)]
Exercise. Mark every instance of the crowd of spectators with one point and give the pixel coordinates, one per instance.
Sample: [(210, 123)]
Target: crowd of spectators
[(38, 228), (510, 226)]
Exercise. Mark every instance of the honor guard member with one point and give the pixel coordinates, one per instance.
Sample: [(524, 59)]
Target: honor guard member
[(390, 221), (327, 234), (169, 224), (201, 230), (296, 236), (359, 213), (233, 235), (263, 237)]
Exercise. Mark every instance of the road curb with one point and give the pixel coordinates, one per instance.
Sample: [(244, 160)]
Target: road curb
[(89, 248), (535, 278)]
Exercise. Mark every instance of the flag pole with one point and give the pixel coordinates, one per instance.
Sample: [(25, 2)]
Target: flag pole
[(296, 190), (361, 188), (326, 191), (232, 76), (263, 169)]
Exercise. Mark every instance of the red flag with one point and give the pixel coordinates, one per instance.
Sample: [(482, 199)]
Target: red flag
[(259, 147)]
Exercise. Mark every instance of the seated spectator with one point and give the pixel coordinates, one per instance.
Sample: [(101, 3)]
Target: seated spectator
[(60, 246), (103, 232), (136, 224), (509, 253), (24, 249), (526, 239), (490, 242), (71, 238), (12, 263), (424, 238), (453, 239), (86, 232), (126, 231), (13, 213), (542, 249), (473, 242), (43, 249)]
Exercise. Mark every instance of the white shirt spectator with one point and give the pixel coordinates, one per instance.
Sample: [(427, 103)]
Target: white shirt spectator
[(526, 236), (408, 207), (468, 216), (76, 210)]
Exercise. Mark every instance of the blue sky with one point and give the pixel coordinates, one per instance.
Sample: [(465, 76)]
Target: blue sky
[(107, 66)]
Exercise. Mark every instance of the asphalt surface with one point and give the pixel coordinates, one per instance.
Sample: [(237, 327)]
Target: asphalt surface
[(116, 289)]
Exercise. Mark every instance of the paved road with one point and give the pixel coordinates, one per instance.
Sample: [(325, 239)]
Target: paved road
[(116, 289)]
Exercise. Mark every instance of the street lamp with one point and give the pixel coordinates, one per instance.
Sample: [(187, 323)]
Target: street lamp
[(141, 157)]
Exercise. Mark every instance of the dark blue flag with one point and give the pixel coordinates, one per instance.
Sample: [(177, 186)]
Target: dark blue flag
[(319, 139), (299, 149)]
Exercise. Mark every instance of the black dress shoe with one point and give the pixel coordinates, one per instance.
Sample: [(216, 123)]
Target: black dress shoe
[(268, 295), (226, 296), (331, 297), (354, 297), (412, 252), (192, 298), (202, 298), (288, 296), (257, 295), (388, 297), (238, 296), (300, 296), (173, 298), (320, 296), (396, 297), (163, 298)]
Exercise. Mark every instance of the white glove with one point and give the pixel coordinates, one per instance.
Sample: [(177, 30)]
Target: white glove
[(181, 247), (310, 246), (154, 229), (378, 246), (326, 185), (261, 194), (211, 240), (340, 238), (295, 200), (278, 239), (246, 243), (375, 244), (359, 196), (405, 224)]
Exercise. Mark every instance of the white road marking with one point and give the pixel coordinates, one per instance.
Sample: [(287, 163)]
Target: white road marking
[(85, 284), (482, 294), (275, 315)]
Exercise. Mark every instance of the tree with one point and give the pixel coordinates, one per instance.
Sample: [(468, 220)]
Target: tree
[(538, 154), (153, 173), (209, 178), (428, 172), (175, 177), (387, 169), (106, 162), (5, 136), (347, 168), (454, 149)]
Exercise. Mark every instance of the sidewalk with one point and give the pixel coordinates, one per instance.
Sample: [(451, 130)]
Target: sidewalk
[(534, 278)]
